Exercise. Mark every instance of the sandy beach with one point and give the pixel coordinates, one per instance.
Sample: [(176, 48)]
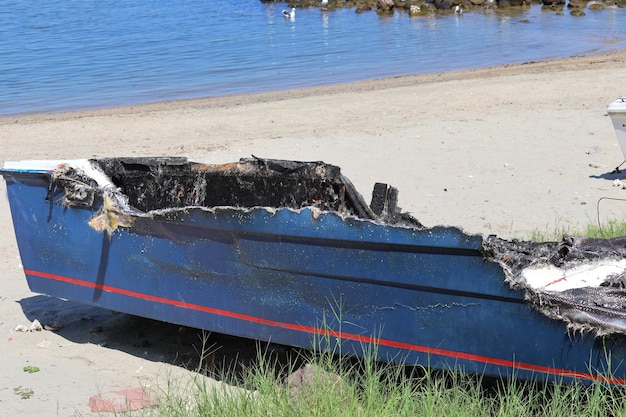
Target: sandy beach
[(505, 150)]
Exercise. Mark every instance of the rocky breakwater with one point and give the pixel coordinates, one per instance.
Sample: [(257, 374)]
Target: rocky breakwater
[(416, 8)]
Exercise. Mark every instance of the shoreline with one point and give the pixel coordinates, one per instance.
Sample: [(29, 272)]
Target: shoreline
[(550, 65)]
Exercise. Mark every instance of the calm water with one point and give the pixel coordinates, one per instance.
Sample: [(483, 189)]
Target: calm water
[(60, 55)]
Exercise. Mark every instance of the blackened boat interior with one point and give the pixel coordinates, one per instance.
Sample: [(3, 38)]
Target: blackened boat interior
[(165, 182)]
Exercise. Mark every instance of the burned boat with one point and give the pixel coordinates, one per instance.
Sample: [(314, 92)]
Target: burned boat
[(290, 252)]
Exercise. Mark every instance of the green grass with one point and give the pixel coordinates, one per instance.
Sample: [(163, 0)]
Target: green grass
[(607, 230), (612, 228), (341, 387)]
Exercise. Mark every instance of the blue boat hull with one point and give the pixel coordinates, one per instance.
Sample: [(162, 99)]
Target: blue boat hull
[(303, 277)]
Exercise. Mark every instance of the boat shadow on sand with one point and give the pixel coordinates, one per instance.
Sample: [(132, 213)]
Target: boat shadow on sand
[(219, 356), (213, 354), (226, 358)]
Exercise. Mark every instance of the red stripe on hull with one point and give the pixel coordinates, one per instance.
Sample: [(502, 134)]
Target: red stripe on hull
[(341, 335)]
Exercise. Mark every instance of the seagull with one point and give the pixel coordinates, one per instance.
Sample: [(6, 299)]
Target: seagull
[(290, 14), (415, 9), (324, 2), (458, 10)]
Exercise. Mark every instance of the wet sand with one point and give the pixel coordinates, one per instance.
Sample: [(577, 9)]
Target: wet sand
[(505, 150)]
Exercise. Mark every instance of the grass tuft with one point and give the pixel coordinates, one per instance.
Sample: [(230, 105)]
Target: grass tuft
[(607, 230), (346, 387)]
